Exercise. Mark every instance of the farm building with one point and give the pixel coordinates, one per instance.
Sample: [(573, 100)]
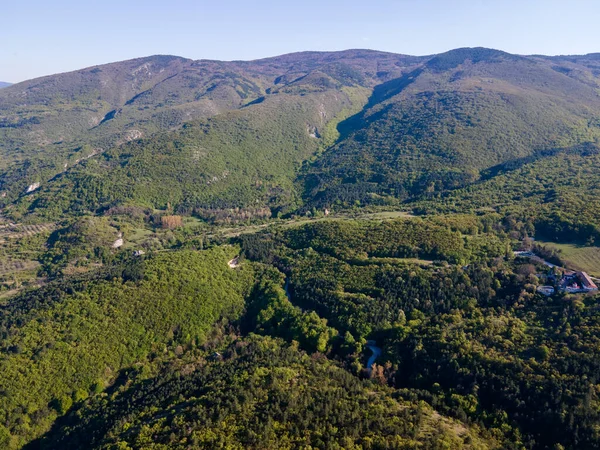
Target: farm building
[(574, 282)]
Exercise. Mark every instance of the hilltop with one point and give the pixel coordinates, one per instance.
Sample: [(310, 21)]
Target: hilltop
[(439, 126), (59, 121), (297, 131)]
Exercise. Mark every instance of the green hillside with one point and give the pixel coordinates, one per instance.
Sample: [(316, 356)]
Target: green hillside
[(51, 124), (321, 129), (264, 394), (162, 350), (553, 194), (437, 127), (62, 342), (472, 338), (315, 250), (238, 159)]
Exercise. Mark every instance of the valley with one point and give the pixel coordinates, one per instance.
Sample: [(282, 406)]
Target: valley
[(314, 250)]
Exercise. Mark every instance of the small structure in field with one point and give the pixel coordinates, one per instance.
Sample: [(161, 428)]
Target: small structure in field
[(119, 242), (235, 262), (545, 290)]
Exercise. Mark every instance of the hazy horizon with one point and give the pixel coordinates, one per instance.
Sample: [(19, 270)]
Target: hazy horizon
[(43, 39)]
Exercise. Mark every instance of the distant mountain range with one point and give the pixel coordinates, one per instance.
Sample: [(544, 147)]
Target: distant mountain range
[(295, 131), (4, 84)]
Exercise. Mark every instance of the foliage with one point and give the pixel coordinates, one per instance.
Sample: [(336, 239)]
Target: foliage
[(270, 312), (439, 128), (59, 341), (260, 393), (554, 196), (476, 341), (116, 351)]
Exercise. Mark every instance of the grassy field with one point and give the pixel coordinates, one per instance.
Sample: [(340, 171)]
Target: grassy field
[(297, 222), (135, 237), (578, 257)]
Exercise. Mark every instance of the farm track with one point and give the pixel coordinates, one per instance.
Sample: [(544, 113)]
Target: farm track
[(17, 231), (13, 265)]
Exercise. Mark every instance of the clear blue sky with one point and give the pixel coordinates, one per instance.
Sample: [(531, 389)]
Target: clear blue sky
[(41, 37)]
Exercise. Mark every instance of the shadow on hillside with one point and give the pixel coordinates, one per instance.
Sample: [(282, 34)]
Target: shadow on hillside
[(86, 433), (381, 93), (585, 149)]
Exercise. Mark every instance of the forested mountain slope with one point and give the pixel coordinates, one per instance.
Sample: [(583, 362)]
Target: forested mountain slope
[(458, 317), (51, 125), (327, 128), (316, 249), (72, 337), (246, 157), (104, 103), (556, 193), (438, 126), (163, 351), (123, 344), (260, 393)]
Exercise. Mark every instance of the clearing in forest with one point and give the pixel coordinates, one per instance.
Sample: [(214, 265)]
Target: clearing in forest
[(577, 257)]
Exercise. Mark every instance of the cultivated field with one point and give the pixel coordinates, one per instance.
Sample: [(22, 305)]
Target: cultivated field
[(578, 257)]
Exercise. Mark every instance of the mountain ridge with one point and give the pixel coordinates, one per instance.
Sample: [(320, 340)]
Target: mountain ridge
[(316, 53), (451, 115)]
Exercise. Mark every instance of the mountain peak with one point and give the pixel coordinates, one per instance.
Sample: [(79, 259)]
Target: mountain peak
[(453, 58)]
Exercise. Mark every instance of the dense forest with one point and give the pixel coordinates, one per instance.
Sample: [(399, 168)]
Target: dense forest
[(473, 339), (339, 250), (72, 337), (200, 348), (259, 392)]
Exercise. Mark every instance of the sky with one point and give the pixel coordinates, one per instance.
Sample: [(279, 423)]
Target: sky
[(43, 37)]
